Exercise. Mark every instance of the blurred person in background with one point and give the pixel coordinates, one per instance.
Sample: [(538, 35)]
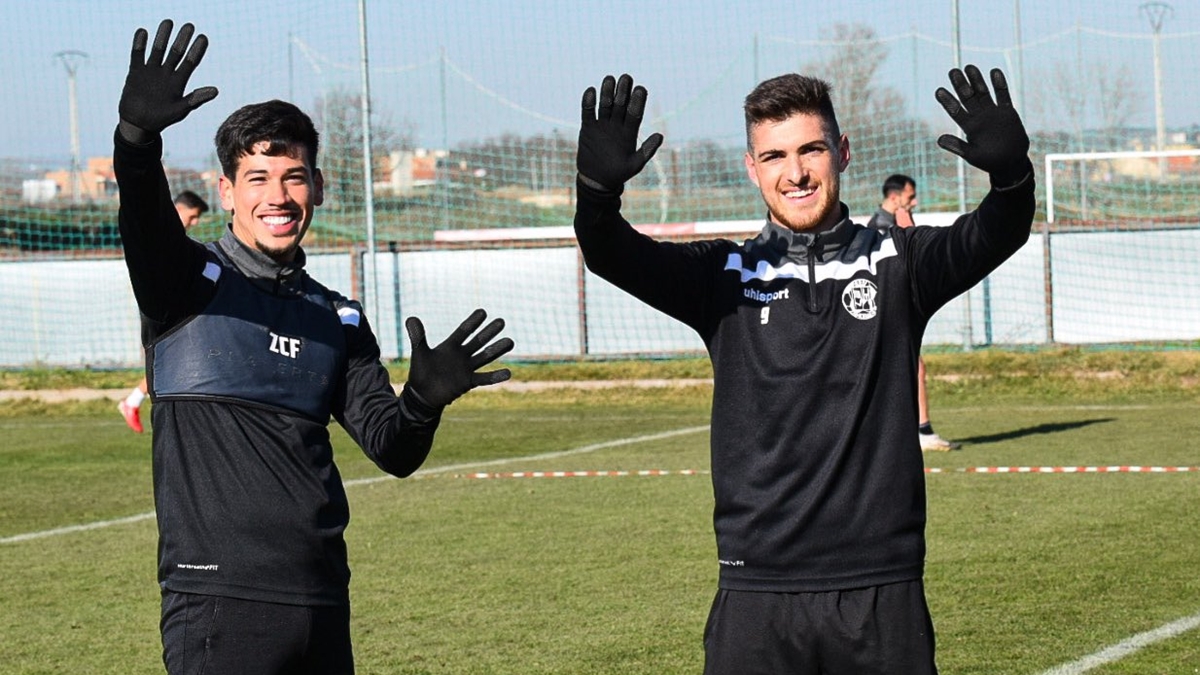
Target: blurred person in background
[(896, 209)]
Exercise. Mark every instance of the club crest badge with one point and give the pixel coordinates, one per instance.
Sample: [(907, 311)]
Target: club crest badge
[(859, 299)]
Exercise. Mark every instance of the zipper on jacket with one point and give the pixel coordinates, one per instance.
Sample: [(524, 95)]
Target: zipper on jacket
[(811, 251)]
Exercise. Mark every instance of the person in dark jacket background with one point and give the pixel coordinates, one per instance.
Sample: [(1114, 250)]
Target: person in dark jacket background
[(813, 328), (899, 202), (248, 358), (896, 209)]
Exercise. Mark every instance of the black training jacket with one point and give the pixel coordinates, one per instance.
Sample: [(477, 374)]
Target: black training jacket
[(247, 361), (817, 472)]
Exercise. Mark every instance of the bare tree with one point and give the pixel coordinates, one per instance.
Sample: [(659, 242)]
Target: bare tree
[(862, 103), (1096, 96), (1117, 96), (870, 113), (704, 164), (542, 162), (339, 120)]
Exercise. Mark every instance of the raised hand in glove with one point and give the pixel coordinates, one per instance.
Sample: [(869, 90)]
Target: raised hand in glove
[(608, 151), (153, 97), (440, 375), (996, 141)]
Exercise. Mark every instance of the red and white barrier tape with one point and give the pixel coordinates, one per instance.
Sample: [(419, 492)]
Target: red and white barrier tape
[(582, 474), (928, 470), (1068, 469)]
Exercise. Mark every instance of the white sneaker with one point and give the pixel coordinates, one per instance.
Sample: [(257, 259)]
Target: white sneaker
[(130, 413), (935, 443)]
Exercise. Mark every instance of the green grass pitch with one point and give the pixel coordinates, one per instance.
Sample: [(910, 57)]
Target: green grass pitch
[(614, 574)]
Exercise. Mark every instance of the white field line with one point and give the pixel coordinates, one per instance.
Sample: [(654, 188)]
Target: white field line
[(1040, 408), (1126, 647), (76, 528), (545, 455), (41, 534)]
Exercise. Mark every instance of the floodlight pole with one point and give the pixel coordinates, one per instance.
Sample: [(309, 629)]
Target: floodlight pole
[(441, 169), (1020, 55), (961, 170), (755, 54), (291, 70), (956, 40), (71, 60), (1157, 12), (368, 169)]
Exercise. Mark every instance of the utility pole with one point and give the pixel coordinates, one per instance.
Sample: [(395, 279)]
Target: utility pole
[(968, 329), (956, 41), (71, 60), (368, 160), (1157, 12), (1020, 102)]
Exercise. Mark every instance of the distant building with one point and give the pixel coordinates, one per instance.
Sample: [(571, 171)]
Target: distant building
[(1155, 168), (94, 182), (38, 191), (405, 172)]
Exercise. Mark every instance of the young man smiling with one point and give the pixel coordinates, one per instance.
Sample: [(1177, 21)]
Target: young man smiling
[(248, 358), (813, 327), (797, 163), (269, 188)]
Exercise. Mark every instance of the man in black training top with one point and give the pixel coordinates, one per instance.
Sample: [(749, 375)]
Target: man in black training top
[(899, 202), (813, 328), (896, 209), (248, 358)]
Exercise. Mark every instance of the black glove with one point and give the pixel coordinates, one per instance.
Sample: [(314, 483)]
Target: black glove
[(996, 140), (608, 152), (153, 99), (440, 375)]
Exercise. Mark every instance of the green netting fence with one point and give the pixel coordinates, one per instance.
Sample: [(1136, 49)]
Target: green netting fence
[(474, 116)]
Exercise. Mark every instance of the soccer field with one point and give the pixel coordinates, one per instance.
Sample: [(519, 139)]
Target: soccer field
[(475, 566)]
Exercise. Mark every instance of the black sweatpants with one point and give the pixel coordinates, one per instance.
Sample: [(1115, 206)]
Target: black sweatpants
[(880, 630), (213, 635)]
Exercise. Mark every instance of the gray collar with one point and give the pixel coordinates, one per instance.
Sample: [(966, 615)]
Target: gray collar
[(264, 271), (798, 246)]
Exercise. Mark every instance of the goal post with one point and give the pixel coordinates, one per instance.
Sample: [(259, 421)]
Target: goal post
[(1147, 167), (1120, 240)]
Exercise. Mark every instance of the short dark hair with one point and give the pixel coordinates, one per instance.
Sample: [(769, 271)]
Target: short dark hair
[(896, 183), (280, 124), (191, 200), (781, 97)]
